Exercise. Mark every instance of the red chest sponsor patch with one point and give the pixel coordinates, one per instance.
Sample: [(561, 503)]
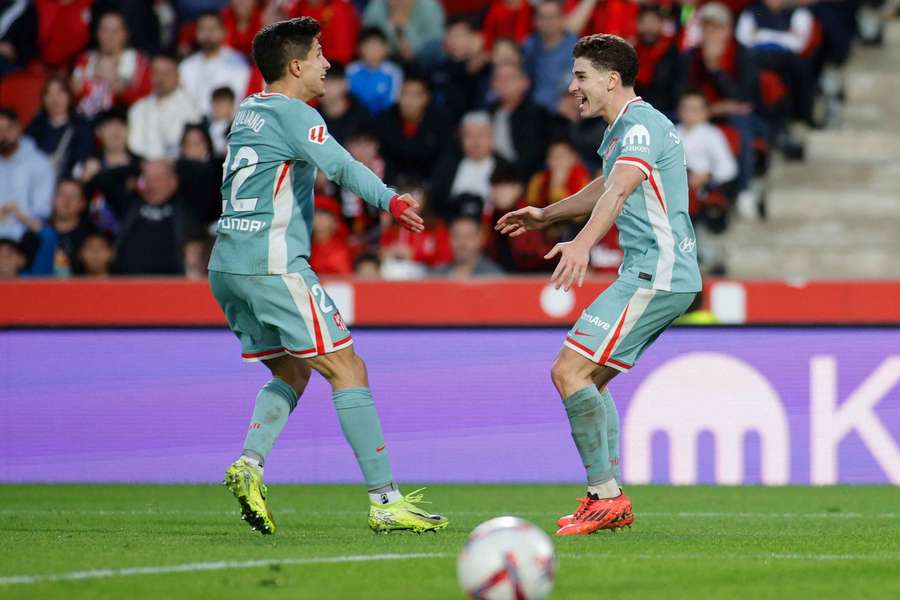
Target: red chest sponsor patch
[(318, 134)]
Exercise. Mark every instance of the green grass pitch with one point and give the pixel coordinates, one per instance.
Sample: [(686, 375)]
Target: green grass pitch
[(687, 542)]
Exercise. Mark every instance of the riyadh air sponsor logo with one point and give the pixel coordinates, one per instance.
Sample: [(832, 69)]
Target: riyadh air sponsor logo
[(688, 245), (318, 134), (235, 224), (727, 398), (595, 320), (637, 138)]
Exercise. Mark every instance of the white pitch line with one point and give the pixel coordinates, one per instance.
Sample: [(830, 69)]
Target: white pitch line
[(210, 566)]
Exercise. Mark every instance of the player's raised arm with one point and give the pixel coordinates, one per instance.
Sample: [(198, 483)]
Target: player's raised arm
[(517, 222), (575, 255), (313, 142)]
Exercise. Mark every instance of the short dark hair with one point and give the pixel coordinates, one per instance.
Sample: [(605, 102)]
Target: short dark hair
[(113, 114), (281, 42), (10, 114), (506, 174), (223, 92), (368, 33), (609, 52)]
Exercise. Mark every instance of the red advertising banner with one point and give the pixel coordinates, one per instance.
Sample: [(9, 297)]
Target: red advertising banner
[(437, 302)]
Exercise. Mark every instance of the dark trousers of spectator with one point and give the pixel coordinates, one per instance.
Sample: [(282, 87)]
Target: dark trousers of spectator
[(797, 74), (750, 127), (838, 20)]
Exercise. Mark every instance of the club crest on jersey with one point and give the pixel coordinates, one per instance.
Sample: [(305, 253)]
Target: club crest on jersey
[(318, 134), (610, 148), (339, 321)]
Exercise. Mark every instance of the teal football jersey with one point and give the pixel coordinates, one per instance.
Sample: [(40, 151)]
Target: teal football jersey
[(275, 146), (655, 230)]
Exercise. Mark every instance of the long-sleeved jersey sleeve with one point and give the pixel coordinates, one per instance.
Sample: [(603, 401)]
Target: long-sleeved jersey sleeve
[(308, 136)]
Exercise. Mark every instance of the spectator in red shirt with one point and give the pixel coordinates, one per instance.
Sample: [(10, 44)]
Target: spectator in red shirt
[(340, 25), (114, 73), (242, 19), (430, 248), (63, 30), (330, 254), (507, 19), (658, 60), (618, 17)]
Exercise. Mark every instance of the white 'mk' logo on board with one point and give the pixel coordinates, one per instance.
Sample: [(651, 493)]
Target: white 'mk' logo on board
[(637, 136)]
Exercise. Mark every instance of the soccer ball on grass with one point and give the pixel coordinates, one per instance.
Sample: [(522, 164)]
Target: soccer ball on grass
[(507, 558)]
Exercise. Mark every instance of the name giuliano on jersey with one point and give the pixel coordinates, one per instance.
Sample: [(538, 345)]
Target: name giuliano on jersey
[(275, 145), (655, 230)]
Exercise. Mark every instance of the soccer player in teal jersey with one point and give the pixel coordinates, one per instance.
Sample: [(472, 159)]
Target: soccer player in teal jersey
[(260, 274), (643, 190)]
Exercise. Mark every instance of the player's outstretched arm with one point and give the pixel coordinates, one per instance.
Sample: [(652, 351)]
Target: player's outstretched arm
[(575, 255), (581, 203), (339, 166)]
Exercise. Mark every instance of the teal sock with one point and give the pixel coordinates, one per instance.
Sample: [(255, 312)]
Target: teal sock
[(274, 404), (588, 421), (612, 433), (359, 421)]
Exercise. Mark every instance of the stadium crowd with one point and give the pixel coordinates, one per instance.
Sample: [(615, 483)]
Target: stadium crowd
[(115, 113)]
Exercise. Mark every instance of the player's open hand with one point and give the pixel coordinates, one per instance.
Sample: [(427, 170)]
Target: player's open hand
[(573, 264), (517, 222), (404, 208)]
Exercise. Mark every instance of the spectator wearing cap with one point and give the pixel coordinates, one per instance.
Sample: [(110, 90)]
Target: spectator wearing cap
[(726, 73), (456, 76), (548, 55), (469, 260), (344, 114), (778, 34), (373, 78), (155, 123), (12, 258), (154, 225), (114, 73), (340, 25), (64, 136), (657, 59), (63, 30), (242, 19), (413, 131), (518, 124), (214, 65), (330, 254), (26, 178), (466, 168), (414, 28), (18, 35)]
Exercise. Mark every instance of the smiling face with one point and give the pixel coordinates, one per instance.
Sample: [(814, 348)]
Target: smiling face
[(591, 88), (313, 69)]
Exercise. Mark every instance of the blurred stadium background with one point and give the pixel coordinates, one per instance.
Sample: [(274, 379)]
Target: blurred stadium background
[(111, 141)]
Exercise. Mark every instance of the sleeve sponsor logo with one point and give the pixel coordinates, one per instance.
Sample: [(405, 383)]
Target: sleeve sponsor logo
[(318, 134)]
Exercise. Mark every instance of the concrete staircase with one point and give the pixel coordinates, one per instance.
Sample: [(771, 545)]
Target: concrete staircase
[(837, 214)]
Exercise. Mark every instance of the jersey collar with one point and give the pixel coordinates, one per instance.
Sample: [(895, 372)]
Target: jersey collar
[(624, 108), (264, 94)]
